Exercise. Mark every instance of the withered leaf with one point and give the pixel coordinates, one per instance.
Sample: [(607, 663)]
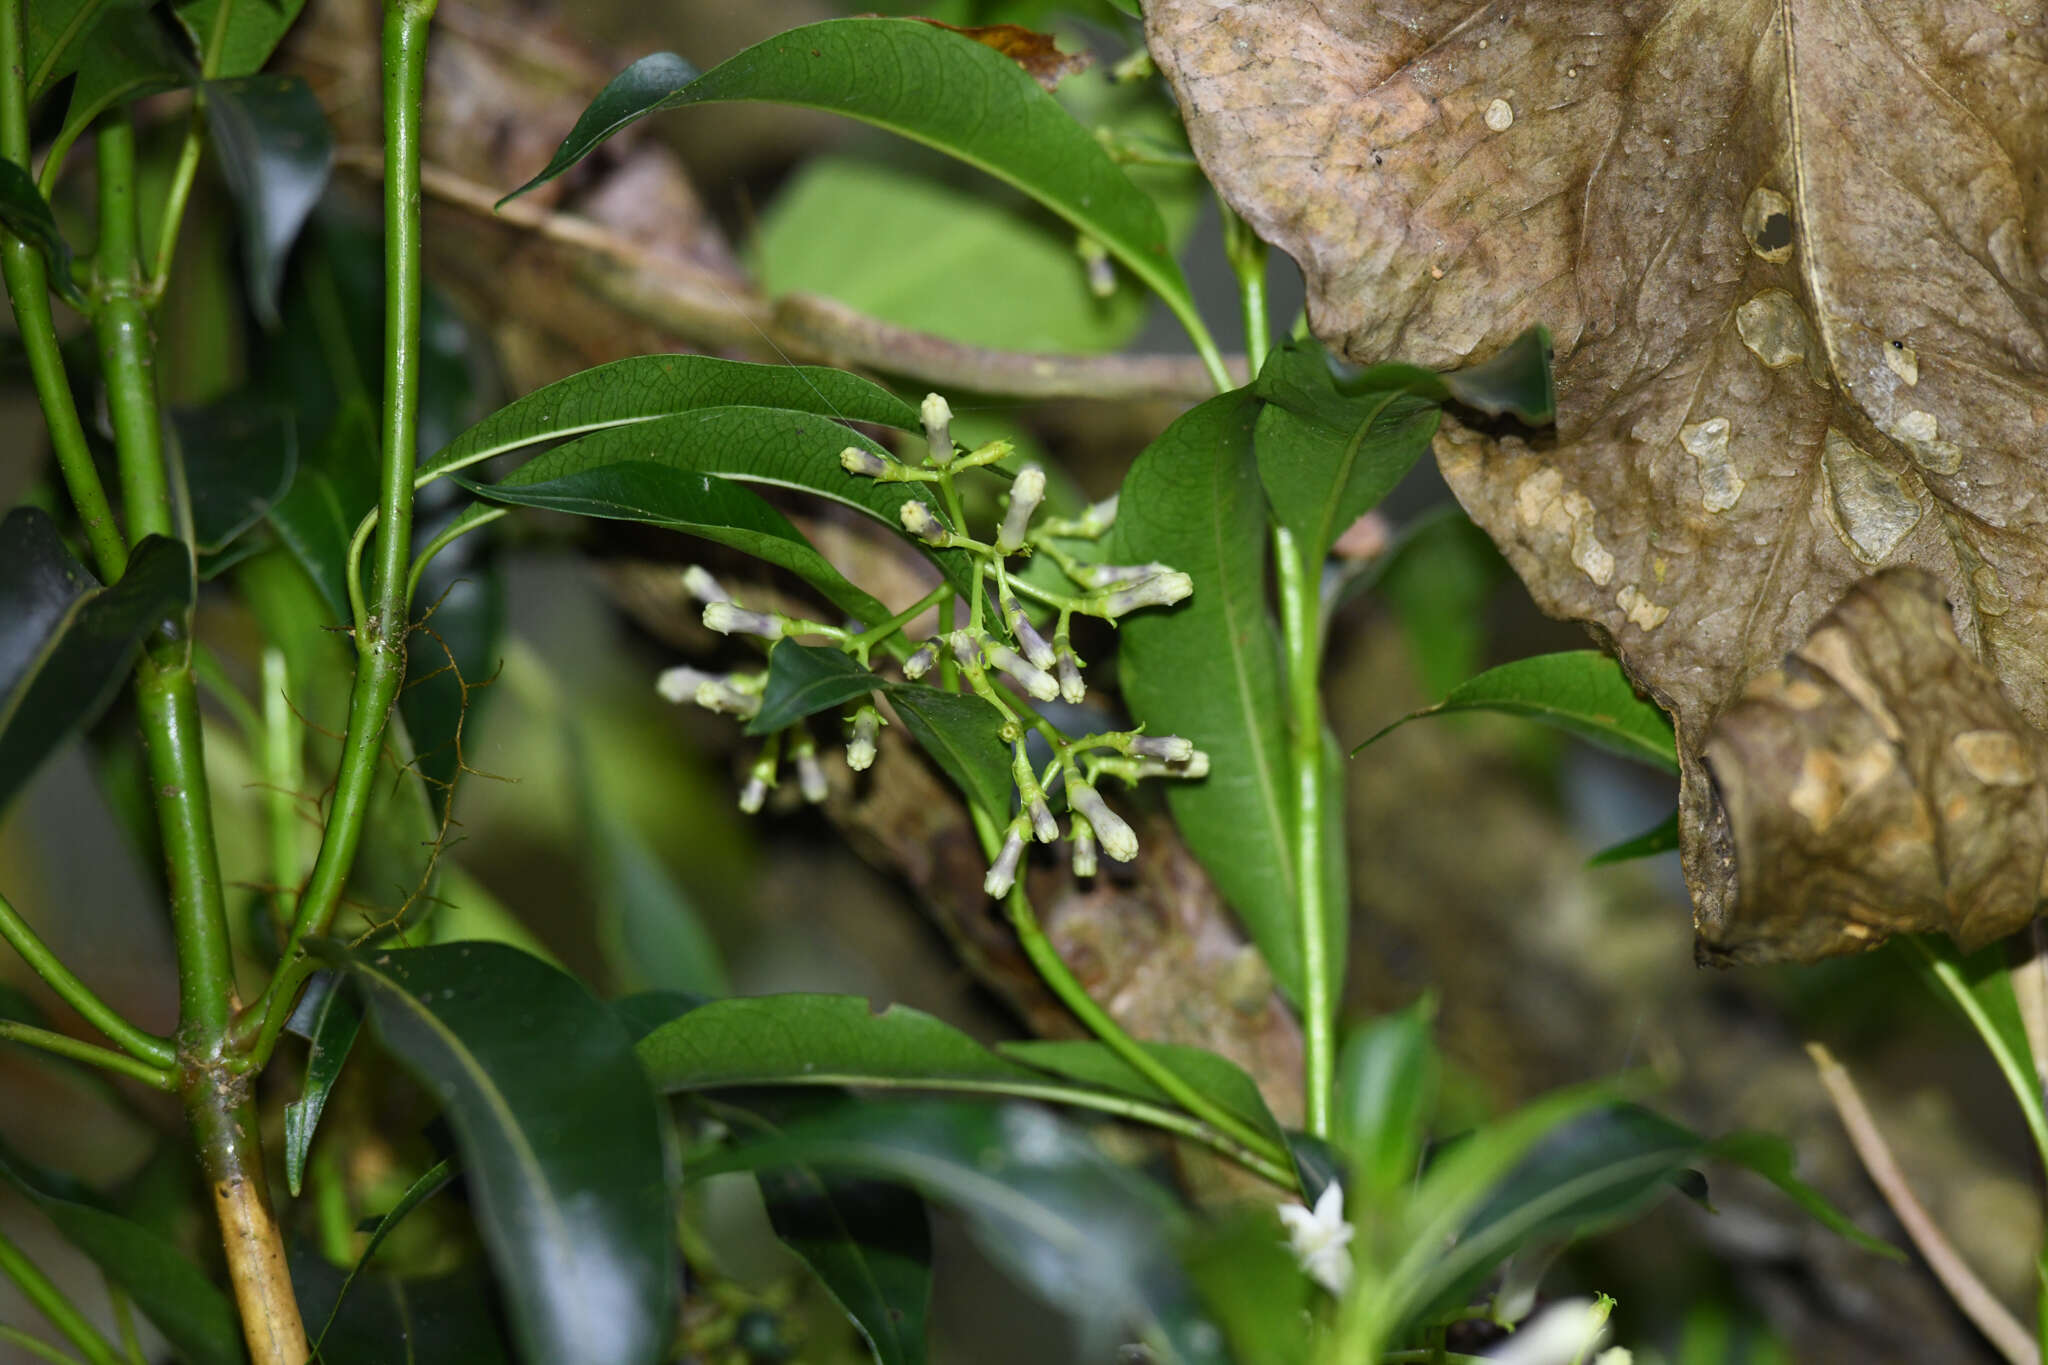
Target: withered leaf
[(1038, 53), (1878, 783), (1792, 252)]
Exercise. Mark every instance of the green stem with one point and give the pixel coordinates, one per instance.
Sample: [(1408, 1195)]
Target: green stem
[(41, 1350), (142, 1045), (283, 771), (63, 1045), (175, 199), (28, 288), (1247, 254), (124, 1322), (380, 637), (121, 326), (1301, 630), (452, 532), (49, 1300)]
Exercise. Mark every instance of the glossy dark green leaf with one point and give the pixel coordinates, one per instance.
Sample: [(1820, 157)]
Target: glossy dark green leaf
[(275, 153), (645, 1011), (56, 35), (645, 387), (1660, 838), (1217, 1079), (391, 1318), (25, 213), (963, 735), (1387, 1075), (128, 57), (1772, 1157), (328, 1017), (868, 1242), (58, 670), (806, 679), (1089, 1236), (1328, 455), (558, 1132), (334, 487), (329, 1305), (1980, 986), (1581, 691), (1209, 668), (1438, 576), (239, 461), (195, 1317), (695, 503), (926, 83), (254, 29)]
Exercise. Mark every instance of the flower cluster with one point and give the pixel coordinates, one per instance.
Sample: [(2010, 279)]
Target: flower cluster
[(1005, 637)]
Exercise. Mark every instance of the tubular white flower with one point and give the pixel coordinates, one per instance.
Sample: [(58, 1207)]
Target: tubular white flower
[(810, 778), (1002, 874), (1165, 748), (1118, 839), (718, 694), (1111, 575), (754, 795), (918, 520), (1083, 839), (921, 660), (728, 618), (1029, 676), (966, 651), (863, 463), (1160, 590), (698, 582), (1028, 639), (1027, 491), (1043, 827), (1321, 1238), (680, 684), (1073, 688), (860, 750), (938, 428)]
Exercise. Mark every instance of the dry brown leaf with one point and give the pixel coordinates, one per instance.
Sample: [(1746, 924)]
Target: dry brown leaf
[(1792, 252), (1038, 53), (1878, 783)]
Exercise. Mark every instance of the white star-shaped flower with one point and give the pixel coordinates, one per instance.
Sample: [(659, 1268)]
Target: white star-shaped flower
[(1321, 1238)]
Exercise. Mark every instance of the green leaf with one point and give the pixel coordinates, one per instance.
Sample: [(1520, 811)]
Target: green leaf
[(806, 679), (55, 35), (62, 658), (1216, 1078), (558, 1132), (1516, 383), (1980, 986), (1771, 1157), (196, 1318), (275, 153), (1387, 1077), (390, 1318), (254, 29), (1253, 1287), (645, 387), (239, 461), (1328, 454), (1581, 691), (332, 491), (1662, 838), (1209, 669), (695, 503), (970, 268), (964, 736), (129, 57), (1438, 576), (652, 935), (1084, 1233), (868, 1242), (937, 87), (25, 213), (329, 1018)]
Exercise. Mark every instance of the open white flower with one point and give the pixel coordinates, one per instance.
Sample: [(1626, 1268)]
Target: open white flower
[(1321, 1238), (1563, 1334)]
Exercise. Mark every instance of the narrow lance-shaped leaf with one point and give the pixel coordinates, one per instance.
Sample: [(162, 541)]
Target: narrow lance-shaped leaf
[(253, 30), (939, 88), (275, 153), (130, 58), (59, 669), (869, 1244), (25, 213), (1386, 1092), (558, 1133), (642, 388), (806, 679), (329, 1017), (1660, 838), (239, 461), (1216, 1078), (1580, 691)]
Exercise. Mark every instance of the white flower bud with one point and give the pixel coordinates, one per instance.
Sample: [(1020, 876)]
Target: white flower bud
[(680, 684), (860, 750), (1002, 875), (1028, 639), (862, 462), (1084, 848), (754, 795), (1100, 516), (1073, 689), (1029, 676), (938, 424), (1118, 839), (728, 618), (1160, 590), (718, 694), (1043, 827), (698, 582), (1026, 492), (810, 777), (917, 519), (1197, 765), (1113, 575), (1101, 277), (921, 660), (966, 652), (1165, 748)]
